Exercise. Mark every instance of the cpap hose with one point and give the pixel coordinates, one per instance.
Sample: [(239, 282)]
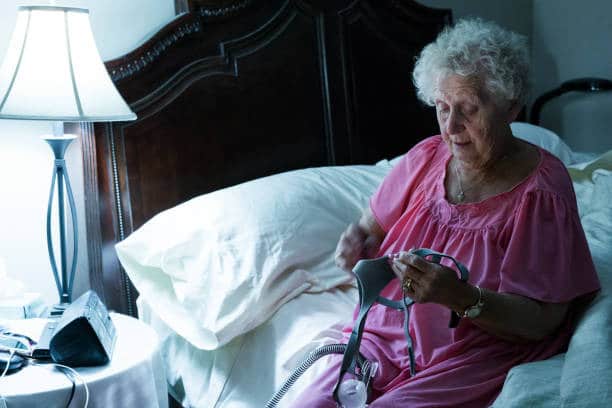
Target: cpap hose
[(315, 355)]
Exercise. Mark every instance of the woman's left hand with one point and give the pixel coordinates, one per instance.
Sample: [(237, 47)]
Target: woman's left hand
[(425, 281), (508, 316)]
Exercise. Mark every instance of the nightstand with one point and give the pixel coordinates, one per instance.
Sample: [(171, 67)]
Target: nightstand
[(133, 378)]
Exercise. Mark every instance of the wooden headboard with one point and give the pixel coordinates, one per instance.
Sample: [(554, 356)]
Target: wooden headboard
[(234, 90)]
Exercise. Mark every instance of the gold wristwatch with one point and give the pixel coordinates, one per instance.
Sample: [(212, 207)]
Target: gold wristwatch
[(474, 311)]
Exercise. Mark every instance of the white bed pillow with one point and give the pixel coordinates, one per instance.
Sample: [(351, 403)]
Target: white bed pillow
[(220, 264)]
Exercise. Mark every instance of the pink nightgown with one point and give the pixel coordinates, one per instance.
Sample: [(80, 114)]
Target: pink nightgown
[(527, 241)]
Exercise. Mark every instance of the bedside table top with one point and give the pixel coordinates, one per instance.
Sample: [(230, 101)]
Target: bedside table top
[(134, 376)]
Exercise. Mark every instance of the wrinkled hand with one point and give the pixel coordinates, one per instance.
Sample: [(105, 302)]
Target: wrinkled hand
[(351, 247), (429, 281)]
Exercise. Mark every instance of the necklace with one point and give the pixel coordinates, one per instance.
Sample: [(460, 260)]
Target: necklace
[(461, 195)]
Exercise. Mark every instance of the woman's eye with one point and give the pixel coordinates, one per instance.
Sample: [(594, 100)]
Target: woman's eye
[(443, 108), (470, 109)]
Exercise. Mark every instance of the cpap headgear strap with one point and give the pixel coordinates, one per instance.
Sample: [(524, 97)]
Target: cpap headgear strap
[(372, 277)]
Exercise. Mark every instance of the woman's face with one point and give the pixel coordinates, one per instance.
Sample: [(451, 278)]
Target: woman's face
[(475, 127)]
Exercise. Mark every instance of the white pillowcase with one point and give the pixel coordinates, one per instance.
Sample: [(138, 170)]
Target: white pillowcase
[(220, 264)]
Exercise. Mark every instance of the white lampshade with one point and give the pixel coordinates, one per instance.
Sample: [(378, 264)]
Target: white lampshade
[(52, 70)]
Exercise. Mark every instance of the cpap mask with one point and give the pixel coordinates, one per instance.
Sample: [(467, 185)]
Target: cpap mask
[(372, 277)]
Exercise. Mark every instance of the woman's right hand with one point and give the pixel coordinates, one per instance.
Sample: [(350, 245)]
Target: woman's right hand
[(361, 240), (351, 247)]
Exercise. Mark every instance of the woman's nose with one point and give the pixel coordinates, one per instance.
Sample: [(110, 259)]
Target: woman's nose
[(454, 123)]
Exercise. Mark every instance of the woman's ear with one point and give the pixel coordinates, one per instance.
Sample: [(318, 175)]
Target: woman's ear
[(514, 109)]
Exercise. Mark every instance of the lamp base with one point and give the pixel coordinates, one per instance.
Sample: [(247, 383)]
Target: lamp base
[(64, 277)]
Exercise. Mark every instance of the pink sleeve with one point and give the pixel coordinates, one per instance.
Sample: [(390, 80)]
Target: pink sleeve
[(547, 257), (390, 200)]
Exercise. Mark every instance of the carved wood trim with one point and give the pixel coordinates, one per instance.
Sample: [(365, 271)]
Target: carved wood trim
[(132, 64), (211, 12), (122, 208)]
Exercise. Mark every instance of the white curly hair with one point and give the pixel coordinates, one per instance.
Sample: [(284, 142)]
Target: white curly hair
[(474, 47)]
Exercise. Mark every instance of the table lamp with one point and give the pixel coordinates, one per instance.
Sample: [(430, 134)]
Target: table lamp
[(52, 71)]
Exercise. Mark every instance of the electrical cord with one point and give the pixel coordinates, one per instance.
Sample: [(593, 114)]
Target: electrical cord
[(80, 378), (73, 374), (6, 368), (8, 363), (69, 375), (25, 351)]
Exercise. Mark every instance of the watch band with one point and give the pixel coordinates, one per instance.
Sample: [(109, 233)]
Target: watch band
[(474, 310)]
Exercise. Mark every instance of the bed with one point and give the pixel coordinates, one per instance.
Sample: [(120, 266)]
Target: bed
[(254, 119)]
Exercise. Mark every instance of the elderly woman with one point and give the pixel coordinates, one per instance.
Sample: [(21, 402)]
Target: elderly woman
[(501, 206)]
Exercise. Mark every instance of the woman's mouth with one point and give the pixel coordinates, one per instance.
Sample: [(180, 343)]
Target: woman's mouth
[(461, 144)]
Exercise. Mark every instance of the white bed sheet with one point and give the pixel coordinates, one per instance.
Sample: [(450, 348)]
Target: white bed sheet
[(246, 372)]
